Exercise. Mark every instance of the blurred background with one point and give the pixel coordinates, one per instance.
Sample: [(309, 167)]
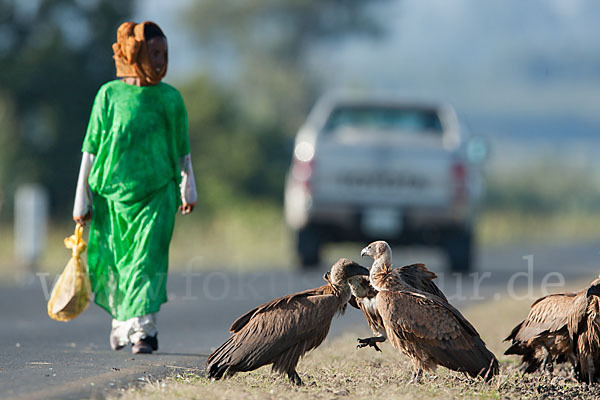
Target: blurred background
[(523, 75)]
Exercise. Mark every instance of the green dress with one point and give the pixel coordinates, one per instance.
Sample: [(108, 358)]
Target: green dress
[(137, 135)]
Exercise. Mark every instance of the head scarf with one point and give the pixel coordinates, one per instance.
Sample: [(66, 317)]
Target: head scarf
[(131, 54)]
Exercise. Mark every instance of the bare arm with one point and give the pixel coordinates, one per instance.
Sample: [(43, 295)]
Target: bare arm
[(82, 209), (189, 195)]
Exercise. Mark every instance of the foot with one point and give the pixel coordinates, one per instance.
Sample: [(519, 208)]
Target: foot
[(295, 378), (372, 342), (152, 341), (145, 345), (115, 343)]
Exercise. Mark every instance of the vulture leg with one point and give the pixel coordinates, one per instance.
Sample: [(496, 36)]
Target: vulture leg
[(372, 341), (575, 375), (416, 376), (591, 370), (547, 366), (295, 378)]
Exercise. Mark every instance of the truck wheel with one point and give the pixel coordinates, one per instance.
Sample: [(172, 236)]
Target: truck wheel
[(459, 249), (308, 246)]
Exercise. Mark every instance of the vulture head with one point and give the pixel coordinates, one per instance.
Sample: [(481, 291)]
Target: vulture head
[(594, 289), (343, 270), (360, 287), (378, 250)]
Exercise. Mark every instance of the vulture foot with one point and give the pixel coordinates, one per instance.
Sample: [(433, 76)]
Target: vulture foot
[(295, 378), (574, 375), (372, 342)]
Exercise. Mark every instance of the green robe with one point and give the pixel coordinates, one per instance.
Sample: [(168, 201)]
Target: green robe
[(137, 135)]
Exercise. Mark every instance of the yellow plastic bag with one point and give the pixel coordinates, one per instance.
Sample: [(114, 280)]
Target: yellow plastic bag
[(71, 293)]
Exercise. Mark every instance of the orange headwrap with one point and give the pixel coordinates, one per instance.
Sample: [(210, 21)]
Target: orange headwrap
[(131, 54)]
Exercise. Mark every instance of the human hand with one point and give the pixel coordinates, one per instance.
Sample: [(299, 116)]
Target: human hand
[(83, 219), (187, 208)]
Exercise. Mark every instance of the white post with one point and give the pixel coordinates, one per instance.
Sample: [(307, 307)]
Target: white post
[(31, 222)]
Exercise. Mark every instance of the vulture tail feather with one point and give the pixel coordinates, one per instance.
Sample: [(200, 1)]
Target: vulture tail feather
[(516, 348), (476, 361), (220, 360), (513, 334)]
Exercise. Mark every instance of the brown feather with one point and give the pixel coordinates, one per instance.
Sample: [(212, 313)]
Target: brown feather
[(415, 275), (432, 332), (419, 277), (584, 332), (281, 331), (420, 322), (542, 337)]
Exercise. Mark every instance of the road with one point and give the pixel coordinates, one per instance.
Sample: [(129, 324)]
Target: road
[(42, 358)]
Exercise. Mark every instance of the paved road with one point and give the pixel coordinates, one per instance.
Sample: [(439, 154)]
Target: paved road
[(41, 358)]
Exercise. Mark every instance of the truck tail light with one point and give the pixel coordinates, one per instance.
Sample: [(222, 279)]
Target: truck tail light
[(302, 173), (459, 175)]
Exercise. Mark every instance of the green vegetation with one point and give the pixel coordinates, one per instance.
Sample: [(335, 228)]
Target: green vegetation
[(499, 228), (240, 127), (54, 57), (548, 188), (547, 202)]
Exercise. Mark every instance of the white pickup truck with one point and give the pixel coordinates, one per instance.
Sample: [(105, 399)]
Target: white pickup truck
[(368, 168)]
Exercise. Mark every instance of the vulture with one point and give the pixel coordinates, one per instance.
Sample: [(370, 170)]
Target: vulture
[(423, 326), (584, 331), (363, 297), (283, 330), (542, 337)]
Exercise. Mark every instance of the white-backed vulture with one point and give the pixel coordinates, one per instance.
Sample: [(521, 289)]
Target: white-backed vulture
[(364, 295), (542, 338), (423, 326), (283, 330), (584, 331)]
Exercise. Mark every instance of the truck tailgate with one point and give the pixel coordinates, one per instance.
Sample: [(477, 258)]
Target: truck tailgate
[(384, 173)]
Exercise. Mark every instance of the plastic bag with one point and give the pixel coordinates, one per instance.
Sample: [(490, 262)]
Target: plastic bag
[(71, 293)]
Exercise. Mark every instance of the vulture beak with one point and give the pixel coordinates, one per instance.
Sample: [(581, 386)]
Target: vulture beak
[(364, 252), (593, 291), (355, 269)]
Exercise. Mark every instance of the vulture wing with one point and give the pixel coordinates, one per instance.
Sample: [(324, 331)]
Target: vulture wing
[(432, 330), (419, 277), (239, 323), (278, 332), (547, 314)]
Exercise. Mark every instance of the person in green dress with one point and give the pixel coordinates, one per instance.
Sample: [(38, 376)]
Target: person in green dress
[(135, 173)]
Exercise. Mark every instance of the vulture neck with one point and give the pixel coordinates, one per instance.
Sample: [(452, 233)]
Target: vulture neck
[(341, 290), (380, 273)]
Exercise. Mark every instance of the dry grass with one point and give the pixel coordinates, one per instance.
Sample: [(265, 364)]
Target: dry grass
[(337, 370)]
